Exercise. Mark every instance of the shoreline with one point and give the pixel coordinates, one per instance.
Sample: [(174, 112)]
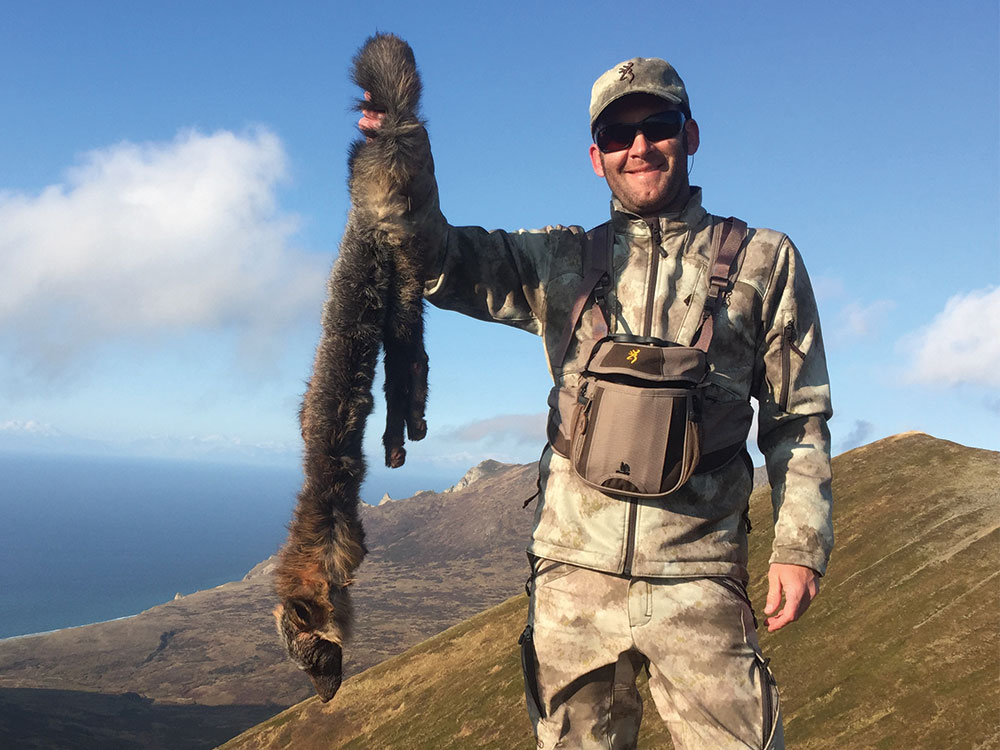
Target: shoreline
[(68, 627)]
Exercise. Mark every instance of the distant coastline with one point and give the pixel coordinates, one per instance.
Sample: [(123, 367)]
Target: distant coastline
[(71, 627), (89, 539), (92, 539)]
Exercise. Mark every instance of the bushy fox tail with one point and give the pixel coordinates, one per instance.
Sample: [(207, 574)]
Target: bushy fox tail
[(385, 68)]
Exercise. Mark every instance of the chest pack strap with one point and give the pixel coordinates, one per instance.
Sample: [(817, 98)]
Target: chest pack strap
[(600, 243), (725, 247)]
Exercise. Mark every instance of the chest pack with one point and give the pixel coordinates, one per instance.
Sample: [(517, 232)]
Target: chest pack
[(639, 424)]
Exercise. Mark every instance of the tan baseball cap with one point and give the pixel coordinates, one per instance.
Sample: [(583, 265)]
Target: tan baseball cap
[(640, 75)]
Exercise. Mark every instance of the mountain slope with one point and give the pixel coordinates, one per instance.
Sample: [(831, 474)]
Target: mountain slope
[(899, 650), (435, 560)]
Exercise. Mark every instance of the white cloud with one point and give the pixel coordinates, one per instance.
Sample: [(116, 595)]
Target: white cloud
[(509, 438), (518, 428), (859, 434), (855, 320), (33, 436), (152, 238), (962, 344), (27, 427), (827, 289)]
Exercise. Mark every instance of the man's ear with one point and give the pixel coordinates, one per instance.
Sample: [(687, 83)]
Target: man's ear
[(693, 136), (595, 160)]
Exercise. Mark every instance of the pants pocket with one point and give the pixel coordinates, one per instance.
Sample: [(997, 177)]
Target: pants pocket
[(769, 702), (529, 670), (739, 590)]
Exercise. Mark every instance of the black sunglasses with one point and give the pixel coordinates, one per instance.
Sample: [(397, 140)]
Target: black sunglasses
[(659, 127)]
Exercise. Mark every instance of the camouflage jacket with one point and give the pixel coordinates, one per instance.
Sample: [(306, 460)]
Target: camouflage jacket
[(767, 345)]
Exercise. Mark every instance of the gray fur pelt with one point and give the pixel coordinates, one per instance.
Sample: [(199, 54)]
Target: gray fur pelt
[(375, 301)]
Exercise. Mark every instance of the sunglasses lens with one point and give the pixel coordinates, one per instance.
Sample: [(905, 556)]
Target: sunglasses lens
[(617, 137), (661, 127), (658, 127)]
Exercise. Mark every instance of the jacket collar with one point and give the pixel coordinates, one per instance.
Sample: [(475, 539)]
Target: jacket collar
[(690, 217)]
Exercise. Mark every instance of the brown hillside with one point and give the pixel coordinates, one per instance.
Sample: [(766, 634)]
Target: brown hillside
[(195, 671), (900, 650)]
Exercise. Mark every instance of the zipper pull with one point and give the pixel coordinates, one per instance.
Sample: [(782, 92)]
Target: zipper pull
[(654, 228), (791, 336)]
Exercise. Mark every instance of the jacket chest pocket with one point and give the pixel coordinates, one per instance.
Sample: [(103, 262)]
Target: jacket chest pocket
[(734, 342)]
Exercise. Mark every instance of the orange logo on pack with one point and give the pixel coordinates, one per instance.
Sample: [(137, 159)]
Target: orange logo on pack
[(632, 356)]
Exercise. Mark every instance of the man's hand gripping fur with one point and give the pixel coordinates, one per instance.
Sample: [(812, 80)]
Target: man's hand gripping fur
[(375, 301)]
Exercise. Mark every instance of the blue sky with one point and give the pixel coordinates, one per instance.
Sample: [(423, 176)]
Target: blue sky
[(173, 189)]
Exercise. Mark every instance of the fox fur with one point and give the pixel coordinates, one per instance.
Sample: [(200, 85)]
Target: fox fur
[(374, 302)]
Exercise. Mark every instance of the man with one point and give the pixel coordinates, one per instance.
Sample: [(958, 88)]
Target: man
[(620, 582)]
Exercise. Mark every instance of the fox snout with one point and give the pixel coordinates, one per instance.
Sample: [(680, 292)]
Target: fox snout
[(318, 657)]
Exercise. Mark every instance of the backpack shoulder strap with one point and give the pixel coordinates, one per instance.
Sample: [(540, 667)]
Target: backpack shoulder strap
[(597, 253), (725, 247)]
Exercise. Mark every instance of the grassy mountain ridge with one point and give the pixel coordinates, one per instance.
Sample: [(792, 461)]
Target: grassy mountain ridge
[(899, 650)]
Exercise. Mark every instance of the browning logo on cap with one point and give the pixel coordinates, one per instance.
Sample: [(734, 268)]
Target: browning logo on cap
[(626, 71)]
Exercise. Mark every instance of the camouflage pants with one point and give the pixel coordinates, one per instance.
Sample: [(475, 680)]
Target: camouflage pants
[(589, 633)]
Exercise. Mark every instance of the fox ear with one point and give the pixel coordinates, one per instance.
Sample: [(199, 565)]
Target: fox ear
[(595, 160)]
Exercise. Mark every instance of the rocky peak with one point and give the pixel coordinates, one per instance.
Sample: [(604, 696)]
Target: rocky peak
[(487, 468)]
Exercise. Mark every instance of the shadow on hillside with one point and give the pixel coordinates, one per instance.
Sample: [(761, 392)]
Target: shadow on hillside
[(95, 720)]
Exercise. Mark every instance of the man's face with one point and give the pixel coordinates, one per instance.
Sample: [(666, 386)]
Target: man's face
[(648, 176)]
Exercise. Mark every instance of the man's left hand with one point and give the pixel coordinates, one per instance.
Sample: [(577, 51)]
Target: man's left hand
[(798, 584)]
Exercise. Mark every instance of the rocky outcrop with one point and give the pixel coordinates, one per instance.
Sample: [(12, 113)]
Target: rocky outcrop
[(487, 468)]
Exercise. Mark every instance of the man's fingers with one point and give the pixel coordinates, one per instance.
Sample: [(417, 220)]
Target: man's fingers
[(370, 119), (797, 584), (778, 621), (795, 606), (790, 612), (773, 592), (796, 603), (369, 123)]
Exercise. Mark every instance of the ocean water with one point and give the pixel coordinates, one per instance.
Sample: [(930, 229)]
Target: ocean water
[(87, 539), (90, 539)]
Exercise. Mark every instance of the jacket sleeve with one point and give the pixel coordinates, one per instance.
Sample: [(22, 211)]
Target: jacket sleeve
[(493, 276), (793, 391), (490, 275)]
